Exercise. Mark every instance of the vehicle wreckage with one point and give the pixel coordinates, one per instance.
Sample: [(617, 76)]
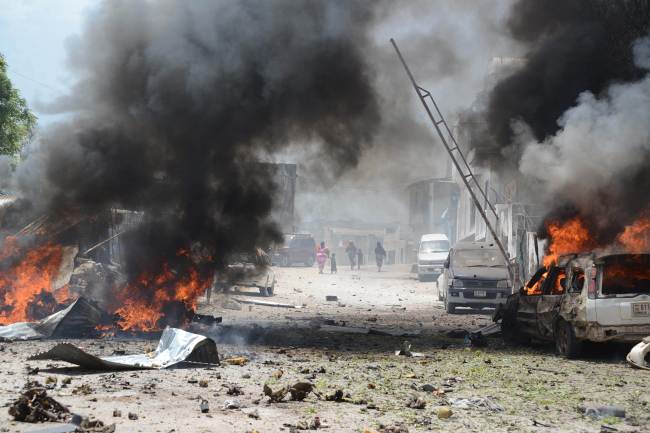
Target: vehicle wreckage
[(583, 297)]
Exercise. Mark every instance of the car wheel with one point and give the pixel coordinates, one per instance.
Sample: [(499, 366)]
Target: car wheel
[(270, 290), (566, 342), (449, 308), (264, 291)]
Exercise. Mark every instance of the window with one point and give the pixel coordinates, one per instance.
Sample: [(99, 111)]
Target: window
[(434, 246)]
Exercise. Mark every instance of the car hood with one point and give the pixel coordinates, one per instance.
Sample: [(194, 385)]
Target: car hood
[(480, 273), (441, 257)]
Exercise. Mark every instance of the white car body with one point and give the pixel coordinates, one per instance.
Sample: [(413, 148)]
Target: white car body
[(433, 251)]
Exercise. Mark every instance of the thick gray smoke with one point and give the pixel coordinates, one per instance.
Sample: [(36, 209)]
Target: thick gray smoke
[(177, 101), (574, 115)]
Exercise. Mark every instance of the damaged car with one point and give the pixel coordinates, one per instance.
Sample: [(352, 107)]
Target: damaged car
[(583, 298)]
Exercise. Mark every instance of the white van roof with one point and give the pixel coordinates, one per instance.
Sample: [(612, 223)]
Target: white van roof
[(434, 237)]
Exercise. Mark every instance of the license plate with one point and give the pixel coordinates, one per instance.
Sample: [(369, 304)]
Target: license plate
[(641, 309), (479, 293)]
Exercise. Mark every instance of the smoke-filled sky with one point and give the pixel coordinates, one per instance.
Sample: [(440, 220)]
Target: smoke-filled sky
[(448, 43)]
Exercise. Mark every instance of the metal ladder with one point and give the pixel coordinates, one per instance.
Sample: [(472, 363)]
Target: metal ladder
[(458, 159)]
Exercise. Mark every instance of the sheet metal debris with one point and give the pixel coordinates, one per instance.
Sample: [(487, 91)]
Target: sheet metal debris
[(639, 356), (175, 346), (79, 319), (267, 303)]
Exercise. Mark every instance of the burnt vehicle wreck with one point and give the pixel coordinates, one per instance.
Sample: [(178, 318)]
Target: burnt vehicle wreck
[(587, 297)]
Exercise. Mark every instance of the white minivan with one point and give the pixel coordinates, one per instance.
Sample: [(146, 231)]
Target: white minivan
[(432, 254)]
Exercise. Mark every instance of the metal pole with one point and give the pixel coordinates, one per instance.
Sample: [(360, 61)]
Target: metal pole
[(464, 177)]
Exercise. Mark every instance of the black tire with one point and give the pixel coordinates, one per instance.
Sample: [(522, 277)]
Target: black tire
[(270, 290), (449, 308), (566, 343), (264, 291)]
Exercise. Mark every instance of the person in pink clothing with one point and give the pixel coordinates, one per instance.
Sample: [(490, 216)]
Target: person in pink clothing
[(322, 254)]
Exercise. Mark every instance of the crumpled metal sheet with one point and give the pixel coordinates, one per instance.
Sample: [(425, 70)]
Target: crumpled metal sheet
[(639, 354), (78, 319), (175, 346)]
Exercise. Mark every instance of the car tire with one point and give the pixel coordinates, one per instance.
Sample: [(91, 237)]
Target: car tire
[(270, 290), (566, 343), (449, 308), (264, 291)]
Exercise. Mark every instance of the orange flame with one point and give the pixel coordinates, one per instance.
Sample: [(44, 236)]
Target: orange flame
[(23, 285), (144, 301), (636, 237), (571, 236)]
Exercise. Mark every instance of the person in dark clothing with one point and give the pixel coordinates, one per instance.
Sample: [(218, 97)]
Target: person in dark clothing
[(359, 258), (351, 250), (333, 263), (380, 255)]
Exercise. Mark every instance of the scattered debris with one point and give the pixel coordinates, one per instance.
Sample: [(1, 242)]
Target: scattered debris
[(275, 396), (133, 416), (604, 411), (414, 402), (117, 413), (237, 360), (84, 389), (277, 374), (231, 404), (233, 389), (267, 303), (34, 405), (337, 396), (444, 412), (331, 298), (300, 390), (254, 414), (175, 346), (475, 402), (79, 319), (395, 428), (639, 356), (406, 351), (205, 406), (203, 383)]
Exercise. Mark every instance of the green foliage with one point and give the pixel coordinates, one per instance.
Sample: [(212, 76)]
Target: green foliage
[(16, 119)]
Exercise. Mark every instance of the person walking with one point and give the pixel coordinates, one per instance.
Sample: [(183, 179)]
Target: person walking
[(380, 255), (322, 254), (351, 250), (359, 258)]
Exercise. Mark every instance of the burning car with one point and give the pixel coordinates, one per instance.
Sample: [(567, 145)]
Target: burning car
[(584, 297)]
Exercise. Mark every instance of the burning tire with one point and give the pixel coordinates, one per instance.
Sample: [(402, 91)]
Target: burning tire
[(566, 342)]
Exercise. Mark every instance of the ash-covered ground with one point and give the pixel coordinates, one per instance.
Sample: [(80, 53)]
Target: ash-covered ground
[(509, 389)]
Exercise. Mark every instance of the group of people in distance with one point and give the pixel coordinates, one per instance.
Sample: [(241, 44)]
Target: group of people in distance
[(355, 256)]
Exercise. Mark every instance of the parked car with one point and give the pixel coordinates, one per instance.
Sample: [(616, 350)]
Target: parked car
[(586, 297), (475, 275), (247, 270), (297, 248), (432, 253)]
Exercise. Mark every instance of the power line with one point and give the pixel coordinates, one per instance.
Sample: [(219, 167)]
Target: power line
[(60, 92)]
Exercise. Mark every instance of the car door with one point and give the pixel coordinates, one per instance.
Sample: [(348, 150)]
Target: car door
[(548, 305)]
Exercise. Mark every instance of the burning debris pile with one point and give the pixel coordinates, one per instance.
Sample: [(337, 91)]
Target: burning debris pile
[(171, 118)]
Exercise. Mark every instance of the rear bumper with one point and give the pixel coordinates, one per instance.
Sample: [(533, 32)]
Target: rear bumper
[(469, 297), (598, 333)]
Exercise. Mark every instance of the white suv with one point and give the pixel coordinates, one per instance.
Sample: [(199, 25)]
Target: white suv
[(587, 297)]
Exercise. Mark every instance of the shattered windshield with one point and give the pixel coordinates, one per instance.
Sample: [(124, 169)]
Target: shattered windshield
[(478, 258), (625, 274), (434, 247)]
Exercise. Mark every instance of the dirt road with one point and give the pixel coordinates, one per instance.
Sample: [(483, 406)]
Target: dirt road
[(345, 345)]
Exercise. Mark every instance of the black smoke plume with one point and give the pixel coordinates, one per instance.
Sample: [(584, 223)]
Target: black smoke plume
[(570, 115), (177, 102)]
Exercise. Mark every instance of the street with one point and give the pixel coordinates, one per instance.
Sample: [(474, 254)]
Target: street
[(347, 345)]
